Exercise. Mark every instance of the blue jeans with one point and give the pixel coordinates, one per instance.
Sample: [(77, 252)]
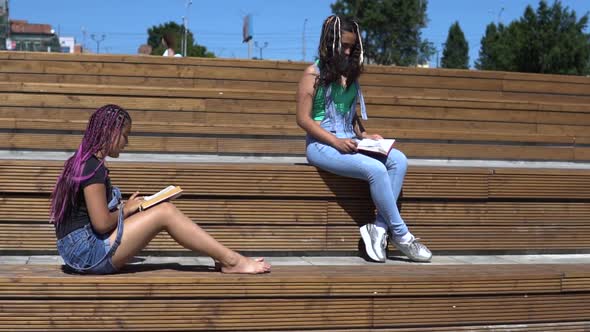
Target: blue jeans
[(384, 174)]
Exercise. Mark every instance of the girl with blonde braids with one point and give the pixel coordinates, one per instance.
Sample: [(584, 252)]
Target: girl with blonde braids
[(326, 109)]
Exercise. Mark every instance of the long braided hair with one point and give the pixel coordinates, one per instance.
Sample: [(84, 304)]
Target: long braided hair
[(104, 128), (333, 62)]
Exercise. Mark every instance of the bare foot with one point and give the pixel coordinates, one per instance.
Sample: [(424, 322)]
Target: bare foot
[(247, 265)]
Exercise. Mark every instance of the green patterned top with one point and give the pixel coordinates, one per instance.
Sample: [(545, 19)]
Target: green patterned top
[(343, 98)]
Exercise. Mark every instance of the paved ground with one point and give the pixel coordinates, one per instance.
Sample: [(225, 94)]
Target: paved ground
[(324, 260)]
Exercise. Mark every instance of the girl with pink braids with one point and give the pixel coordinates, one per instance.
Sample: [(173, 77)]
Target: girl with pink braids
[(96, 232)]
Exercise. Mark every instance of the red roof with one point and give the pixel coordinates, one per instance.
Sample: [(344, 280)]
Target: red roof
[(21, 26)]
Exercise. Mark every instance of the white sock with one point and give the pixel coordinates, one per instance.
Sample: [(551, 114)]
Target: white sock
[(405, 239)]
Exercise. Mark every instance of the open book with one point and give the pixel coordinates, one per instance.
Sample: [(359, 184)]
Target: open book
[(167, 193), (382, 146)]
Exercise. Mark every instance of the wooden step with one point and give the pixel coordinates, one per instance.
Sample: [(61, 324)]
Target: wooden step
[(419, 297), (296, 208), (288, 180)]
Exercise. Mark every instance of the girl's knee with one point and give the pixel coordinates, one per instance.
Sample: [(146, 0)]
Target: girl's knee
[(399, 159), (165, 209), (376, 170)]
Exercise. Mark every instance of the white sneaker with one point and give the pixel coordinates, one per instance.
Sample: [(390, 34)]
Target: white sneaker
[(414, 249), (375, 239)]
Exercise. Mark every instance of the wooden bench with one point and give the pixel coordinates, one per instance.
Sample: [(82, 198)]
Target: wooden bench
[(290, 209), (237, 107), (416, 298), (234, 107)]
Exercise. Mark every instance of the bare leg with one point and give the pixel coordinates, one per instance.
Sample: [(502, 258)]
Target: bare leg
[(142, 227)]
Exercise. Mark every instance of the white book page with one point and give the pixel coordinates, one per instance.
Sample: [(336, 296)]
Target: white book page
[(381, 145), (147, 198)]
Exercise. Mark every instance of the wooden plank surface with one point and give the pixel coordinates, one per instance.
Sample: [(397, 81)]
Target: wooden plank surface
[(284, 281), (295, 146), (253, 180), (298, 66), (434, 113), (311, 297), (281, 237), (297, 208), (27, 209), (276, 180)]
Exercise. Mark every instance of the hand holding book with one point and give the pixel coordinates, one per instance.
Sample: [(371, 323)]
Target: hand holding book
[(380, 146)]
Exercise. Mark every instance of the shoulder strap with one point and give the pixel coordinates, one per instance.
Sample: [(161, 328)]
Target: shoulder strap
[(316, 66), (361, 100)]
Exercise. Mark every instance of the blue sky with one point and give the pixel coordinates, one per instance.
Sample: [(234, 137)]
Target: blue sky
[(218, 24)]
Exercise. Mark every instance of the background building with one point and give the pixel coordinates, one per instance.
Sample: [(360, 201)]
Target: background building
[(4, 26), (33, 37), (68, 44)]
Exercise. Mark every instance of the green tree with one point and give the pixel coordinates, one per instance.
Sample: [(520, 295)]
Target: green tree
[(488, 50), (456, 52), (496, 51), (391, 29), (155, 34), (549, 40)]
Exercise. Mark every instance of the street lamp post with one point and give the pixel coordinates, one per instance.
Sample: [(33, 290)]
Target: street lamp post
[(418, 32), (185, 37), (303, 41), (260, 48), (83, 39), (499, 16), (98, 41), (182, 39)]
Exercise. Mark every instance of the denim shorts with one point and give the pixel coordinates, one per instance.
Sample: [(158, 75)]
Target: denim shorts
[(88, 252)]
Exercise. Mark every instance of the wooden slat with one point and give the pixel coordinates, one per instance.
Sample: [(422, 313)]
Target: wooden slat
[(109, 58), (280, 125), (102, 90), (314, 313), (296, 208), (375, 280), (295, 146), (316, 238), (301, 211), (529, 327), (503, 119), (312, 238), (310, 297), (542, 184), (382, 70), (381, 98), (303, 180)]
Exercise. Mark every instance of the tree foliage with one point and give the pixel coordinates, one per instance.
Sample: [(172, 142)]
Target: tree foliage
[(549, 40), (391, 29), (456, 52), (155, 34)]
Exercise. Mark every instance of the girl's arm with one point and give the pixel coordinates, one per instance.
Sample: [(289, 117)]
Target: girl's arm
[(360, 131), (305, 93), (102, 219)]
